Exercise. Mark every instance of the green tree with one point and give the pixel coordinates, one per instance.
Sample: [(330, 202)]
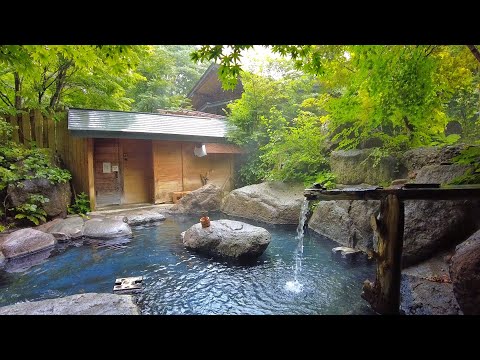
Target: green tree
[(264, 116), (49, 77), (391, 97), (398, 95), (168, 76)]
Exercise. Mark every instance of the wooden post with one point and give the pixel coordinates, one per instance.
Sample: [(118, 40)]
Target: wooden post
[(27, 130), (52, 137), (14, 122), (91, 173), (33, 135), (38, 126), (21, 137), (384, 294)]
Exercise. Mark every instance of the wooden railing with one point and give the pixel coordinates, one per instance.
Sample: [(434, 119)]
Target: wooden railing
[(384, 293)]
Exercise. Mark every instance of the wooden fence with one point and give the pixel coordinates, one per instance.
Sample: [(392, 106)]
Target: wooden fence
[(45, 132)]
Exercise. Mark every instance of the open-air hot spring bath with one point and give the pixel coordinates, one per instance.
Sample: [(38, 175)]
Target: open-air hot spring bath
[(178, 281)]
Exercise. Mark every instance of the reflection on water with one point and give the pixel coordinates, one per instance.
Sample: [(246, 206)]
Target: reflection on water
[(177, 281)]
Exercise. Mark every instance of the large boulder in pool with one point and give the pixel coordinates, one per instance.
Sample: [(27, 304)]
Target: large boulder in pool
[(59, 195), (465, 274), (26, 242), (228, 238), (207, 198), (79, 304), (105, 228), (270, 202)]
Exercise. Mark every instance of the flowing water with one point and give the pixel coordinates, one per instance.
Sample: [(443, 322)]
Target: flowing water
[(295, 286), (178, 281)]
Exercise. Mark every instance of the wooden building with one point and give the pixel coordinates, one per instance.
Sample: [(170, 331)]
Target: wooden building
[(208, 96), (146, 157)]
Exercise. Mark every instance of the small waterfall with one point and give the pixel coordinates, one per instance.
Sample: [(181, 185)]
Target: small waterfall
[(295, 285)]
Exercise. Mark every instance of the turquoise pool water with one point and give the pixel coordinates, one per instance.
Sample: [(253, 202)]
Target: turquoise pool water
[(177, 281)]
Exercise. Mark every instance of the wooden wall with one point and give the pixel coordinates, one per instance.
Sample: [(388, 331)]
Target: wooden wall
[(45, 132), (176, 168), (136, 163)]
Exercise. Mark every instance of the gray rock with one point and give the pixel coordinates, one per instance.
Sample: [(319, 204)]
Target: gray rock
[(79, 304), (426, 289), (346, 222), (441, 174), (67, 229), (207, 198), (431, 226), (25, 242), (355, 167), (59, 195), (465, 274), (23, 263), (417, 158), (270, 202), (2, 259), (228, 238), (104, 228), (45, 227), (140, 217)]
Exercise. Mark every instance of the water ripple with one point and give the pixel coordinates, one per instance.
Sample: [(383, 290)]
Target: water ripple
[(177, 281)]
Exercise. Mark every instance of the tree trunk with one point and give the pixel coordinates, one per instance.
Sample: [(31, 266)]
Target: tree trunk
[(474, 51), (59, 84), (384, 294), (18, 89)]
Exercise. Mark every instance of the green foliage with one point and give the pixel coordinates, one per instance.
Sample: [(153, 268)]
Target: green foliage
[(326, 178), (32, 209), (81, 205), (227, 56), (49, 77), (399, 96), (296, 152), (168, 76), (268, 120), (18, 163), (470, 156)]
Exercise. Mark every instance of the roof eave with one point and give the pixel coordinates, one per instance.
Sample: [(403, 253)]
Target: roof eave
[(210, 69), (146, 136)]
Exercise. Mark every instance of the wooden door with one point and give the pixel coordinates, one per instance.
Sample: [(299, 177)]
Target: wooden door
[(137, 171), (106, 169)]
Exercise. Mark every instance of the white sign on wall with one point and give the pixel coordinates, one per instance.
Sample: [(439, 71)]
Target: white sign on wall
[(115, 168), (107, 167)]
